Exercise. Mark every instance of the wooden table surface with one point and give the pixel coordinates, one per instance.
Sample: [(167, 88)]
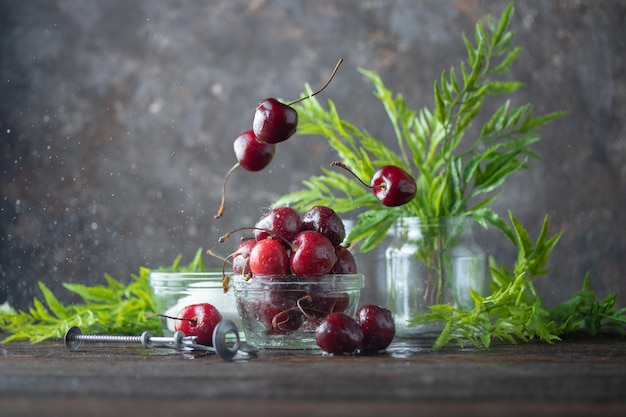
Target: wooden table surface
[(581, 375)]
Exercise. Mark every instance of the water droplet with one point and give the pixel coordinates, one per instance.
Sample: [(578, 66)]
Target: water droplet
[(156, 106)]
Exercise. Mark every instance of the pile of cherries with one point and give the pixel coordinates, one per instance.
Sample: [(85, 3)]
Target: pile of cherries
[(290, 248), (286, 243)]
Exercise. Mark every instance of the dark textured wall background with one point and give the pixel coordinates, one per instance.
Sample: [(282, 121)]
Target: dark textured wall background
[(117, 120)]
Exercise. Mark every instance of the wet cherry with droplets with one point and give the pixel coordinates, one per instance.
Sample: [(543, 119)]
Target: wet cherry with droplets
[(197, 320), (339, 334), (276, 122), (377, 325), (391, 185)]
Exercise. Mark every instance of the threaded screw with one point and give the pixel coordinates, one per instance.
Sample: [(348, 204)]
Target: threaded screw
[(74, 338)]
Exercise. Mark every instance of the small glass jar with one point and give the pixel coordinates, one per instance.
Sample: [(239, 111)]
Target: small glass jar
[(432, 261), (174, 290)]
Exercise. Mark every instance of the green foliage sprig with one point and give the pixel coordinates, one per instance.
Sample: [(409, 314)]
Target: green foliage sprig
[(114, 308), (585, 311), (450, 181), (514, 311)]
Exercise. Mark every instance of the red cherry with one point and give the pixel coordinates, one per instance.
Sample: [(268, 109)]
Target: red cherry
[(346, 264), (198, 320), (324, 220), (393, 186), (378, 327), (313, 254), (251, 154), (338, 334), (269, 257), (282, 221), (274, 121)]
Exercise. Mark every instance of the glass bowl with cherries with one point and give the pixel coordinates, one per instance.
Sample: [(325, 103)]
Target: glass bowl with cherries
[(291, 274)]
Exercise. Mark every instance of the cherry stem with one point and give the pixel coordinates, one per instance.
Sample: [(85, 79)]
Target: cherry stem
[(344, 166), (303, 309), (218, 256), (225, 260), (227, 235), (332, 75), (306, 298), (192, 321), (276, 323), (220, 211), (309, 300), (225, 282)]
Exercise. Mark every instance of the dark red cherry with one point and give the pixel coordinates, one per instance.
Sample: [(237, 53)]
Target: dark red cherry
[(378, 327), (269, 257), (393, 186), (198, 320), (346, 264), (313, 254), (251, 154), (324, 220), (282, 221), (339, 333), (274, 121)]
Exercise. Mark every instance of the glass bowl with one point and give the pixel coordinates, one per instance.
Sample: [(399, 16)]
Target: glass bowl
[(283, 311), (174, 290)]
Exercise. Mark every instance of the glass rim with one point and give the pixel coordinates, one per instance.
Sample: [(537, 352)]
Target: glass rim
[(357, 279), (162, 275), (435, 219)]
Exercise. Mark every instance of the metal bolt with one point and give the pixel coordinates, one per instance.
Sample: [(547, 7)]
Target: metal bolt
[(74, 337)]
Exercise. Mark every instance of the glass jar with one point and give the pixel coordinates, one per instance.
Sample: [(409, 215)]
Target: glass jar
[(174, 290), (432, 261)]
